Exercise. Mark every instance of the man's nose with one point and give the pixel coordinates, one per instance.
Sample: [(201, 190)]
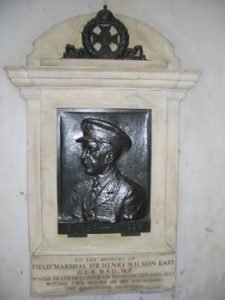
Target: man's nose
[(84, 154)]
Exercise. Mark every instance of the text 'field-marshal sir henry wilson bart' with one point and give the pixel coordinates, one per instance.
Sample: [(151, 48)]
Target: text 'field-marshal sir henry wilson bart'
[(104, 171)]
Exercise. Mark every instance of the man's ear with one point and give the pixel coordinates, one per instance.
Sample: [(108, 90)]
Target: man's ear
[(109, 158)]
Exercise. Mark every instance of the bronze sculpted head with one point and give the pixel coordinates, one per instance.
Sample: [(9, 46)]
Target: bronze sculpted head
[(102, 143)]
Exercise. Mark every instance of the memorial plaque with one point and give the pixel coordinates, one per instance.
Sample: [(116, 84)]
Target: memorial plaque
[(102, 156)]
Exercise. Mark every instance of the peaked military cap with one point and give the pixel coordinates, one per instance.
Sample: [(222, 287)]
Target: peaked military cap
[(97, 130)]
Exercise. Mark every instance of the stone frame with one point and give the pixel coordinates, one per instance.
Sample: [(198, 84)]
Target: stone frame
[(58, 83)]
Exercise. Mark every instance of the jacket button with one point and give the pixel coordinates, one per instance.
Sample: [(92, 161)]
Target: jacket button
[(91, 214)]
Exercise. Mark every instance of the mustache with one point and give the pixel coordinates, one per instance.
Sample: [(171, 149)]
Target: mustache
[(86, 162)]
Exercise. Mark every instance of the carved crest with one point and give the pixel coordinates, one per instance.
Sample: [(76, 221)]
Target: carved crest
[(105, 37)]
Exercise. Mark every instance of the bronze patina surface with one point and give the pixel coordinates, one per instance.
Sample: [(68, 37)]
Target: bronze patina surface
[(106, 198)]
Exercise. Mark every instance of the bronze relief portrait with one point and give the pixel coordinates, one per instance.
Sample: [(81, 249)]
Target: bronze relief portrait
[(103, 168)]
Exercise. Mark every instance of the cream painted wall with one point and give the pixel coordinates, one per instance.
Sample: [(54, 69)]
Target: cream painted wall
[(196, 28)]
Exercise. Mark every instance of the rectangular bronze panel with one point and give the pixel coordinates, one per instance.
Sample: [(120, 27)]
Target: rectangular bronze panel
[(104, 170)]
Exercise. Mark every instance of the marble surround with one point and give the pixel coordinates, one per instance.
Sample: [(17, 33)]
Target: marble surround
[(48, 83)]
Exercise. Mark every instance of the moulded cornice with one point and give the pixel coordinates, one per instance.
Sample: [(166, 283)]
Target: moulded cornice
[(77, 77)]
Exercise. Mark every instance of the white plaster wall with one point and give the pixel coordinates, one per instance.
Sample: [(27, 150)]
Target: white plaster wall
[(196, 28)]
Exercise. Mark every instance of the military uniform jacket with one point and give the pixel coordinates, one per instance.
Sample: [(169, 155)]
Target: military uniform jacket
[(116, 199)]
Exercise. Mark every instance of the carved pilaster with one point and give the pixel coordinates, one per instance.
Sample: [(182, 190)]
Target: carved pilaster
[(32, 93), (176, 95)]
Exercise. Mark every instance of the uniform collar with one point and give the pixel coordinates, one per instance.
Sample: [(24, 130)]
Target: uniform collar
[(103, 179)]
